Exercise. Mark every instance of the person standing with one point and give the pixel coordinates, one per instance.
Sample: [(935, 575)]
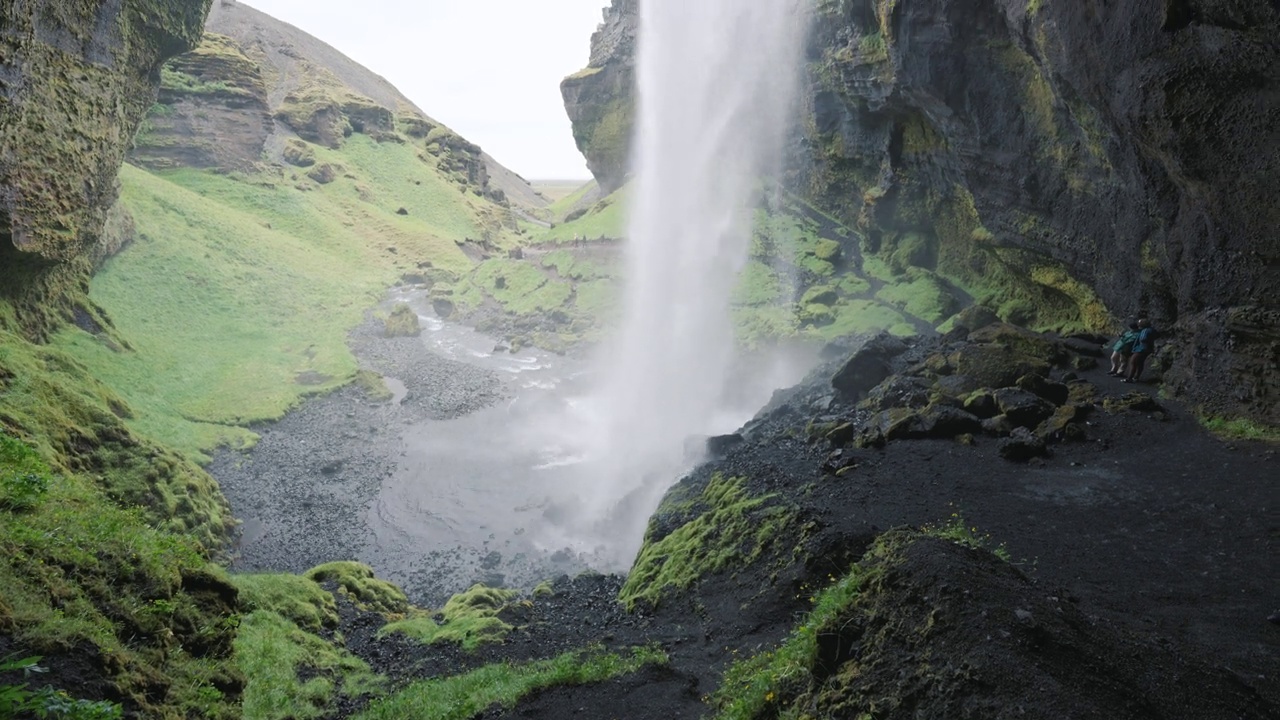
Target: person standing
[(1143, 346), (1121, 350)]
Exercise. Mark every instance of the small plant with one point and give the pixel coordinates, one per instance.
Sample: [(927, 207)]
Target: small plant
[(960, 532), (22, 491)]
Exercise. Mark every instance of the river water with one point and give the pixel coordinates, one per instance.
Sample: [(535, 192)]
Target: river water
[(498, 495)]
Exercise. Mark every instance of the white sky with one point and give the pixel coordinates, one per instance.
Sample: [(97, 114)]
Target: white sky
[(489, 69)]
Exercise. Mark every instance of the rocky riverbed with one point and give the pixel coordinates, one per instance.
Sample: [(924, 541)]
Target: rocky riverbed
[(406, 484)]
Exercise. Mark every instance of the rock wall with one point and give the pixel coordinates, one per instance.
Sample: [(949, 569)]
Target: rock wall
[(599, 99), (1068, 164), (212, 111), (76, 78)]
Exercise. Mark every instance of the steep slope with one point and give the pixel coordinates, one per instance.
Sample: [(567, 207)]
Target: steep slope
[(273, 162), (1066, 165)]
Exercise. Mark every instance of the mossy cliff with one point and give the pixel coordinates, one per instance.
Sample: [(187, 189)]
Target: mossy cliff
[(1071, 165), (600, 98), (77, 79), (1066, 165)]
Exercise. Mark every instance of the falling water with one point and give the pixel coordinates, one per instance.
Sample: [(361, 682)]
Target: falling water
[(716, 84)]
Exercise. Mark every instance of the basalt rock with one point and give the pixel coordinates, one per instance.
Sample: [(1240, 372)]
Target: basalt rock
[(868, 366), (600, 99)]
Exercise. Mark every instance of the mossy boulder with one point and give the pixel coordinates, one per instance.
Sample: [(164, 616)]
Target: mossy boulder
[(402, 322), (299, 153), (362, 586)]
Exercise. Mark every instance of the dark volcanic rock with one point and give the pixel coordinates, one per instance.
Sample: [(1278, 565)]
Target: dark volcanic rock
[(1021, 445), (868, 366)]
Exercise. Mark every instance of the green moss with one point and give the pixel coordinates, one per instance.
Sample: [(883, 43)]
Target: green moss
[(275, 655), (853, 317), (468, 619), (502, 685), (779, 682), (922, 295), (732, 530), (366, 591), (300, 600), (402, 322), (374, 387)]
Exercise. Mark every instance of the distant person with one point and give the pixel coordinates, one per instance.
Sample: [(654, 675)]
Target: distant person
[(1142, 349), (1121, 351)]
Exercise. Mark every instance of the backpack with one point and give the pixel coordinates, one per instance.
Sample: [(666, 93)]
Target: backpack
[(1124, 345)]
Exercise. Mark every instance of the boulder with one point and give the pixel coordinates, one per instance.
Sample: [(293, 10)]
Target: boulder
[(995, 365), (868, 367), (943, 421), (840, 462), (720, 445), (1000, 425), (444, 307), (898, 391), (1022, 445), (1022, 408), (1132, 402), (402, 322), (1065, 423), (1054, 392), (982, 404), (976, 317)]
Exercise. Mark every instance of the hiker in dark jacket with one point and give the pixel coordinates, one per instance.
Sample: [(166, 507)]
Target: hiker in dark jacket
[(1122, 349), (1142, 349)]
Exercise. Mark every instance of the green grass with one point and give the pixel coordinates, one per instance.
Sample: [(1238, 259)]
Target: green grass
[(239, 285), (862, 317), (64, 559), (606, 219), (296, 598), (1240, 429), (465, 696), (470, 619), (564, 205), (921, 294), (725, 528), (271, 650)]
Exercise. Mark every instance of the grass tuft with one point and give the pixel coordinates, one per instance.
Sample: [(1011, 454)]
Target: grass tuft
[(502, 685), (469, 619)]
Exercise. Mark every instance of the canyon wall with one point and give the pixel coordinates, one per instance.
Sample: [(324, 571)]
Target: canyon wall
[(1071, 165)]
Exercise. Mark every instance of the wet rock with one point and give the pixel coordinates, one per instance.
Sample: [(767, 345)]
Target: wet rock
[(720, 445), (899, 391), (444, 307), (868, 367), (841, 435), (976, 317), (982, 403), (1022, 445), (999, 425), (1056, 393), (841, 462), (1022, 408)]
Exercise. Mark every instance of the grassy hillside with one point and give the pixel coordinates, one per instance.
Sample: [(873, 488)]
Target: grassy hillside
[(237, 293)]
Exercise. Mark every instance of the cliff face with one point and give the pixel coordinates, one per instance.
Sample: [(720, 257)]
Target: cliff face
[(1068, 164), (76, 77), (257, 86), (1066, 159), (599, 99)]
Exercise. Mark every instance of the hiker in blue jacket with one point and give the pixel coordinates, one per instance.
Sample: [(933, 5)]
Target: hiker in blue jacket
[(1121, 350), (1142, 349)]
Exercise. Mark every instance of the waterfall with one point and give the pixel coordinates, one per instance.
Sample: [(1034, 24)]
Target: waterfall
[(716, 87)]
